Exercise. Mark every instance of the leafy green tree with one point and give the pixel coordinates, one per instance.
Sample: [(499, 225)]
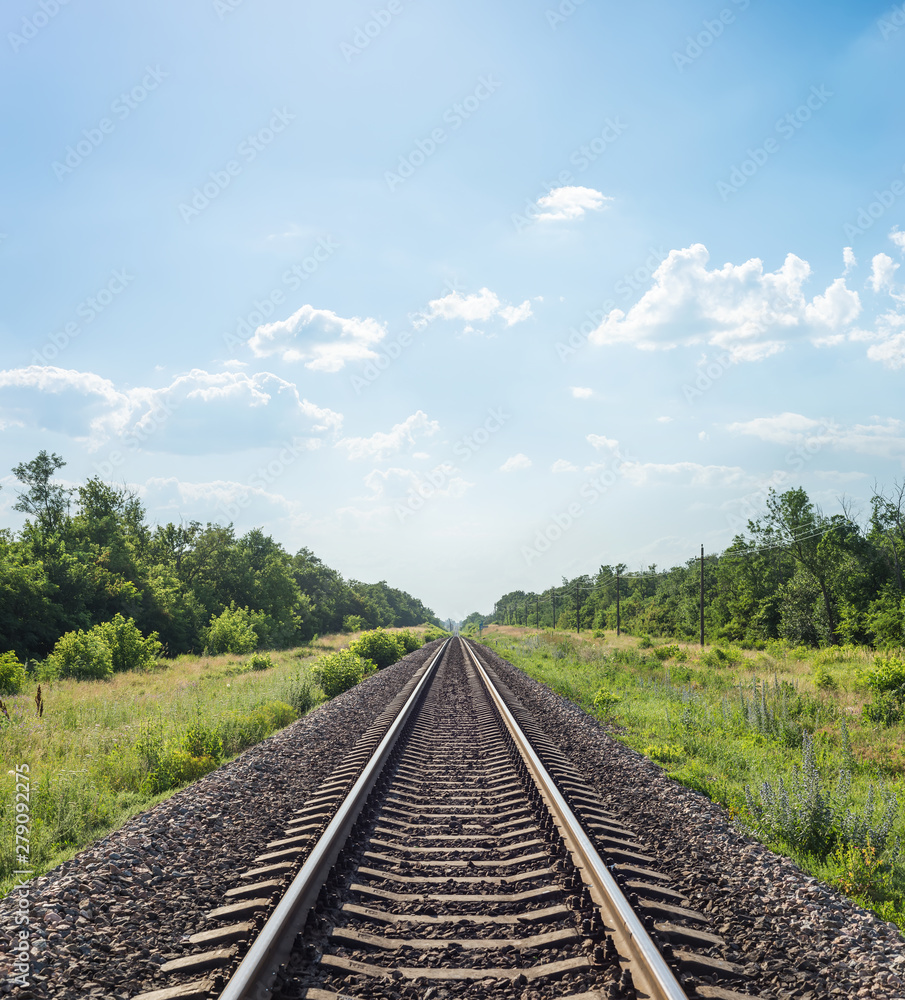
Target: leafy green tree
[(232, 631), (46, 502)]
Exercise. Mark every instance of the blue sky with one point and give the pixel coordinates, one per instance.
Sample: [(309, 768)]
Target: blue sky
[(466, 297)]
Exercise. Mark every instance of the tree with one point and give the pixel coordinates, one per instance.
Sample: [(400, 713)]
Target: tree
[(46, 502)]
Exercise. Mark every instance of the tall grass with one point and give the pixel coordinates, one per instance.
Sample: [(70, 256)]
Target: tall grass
[(788, 740)]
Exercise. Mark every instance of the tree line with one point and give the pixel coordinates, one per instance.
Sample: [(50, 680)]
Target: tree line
[(88, 553), (796, 574)]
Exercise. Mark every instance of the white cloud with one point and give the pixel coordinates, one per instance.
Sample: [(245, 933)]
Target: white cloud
[(738, 308), (197, 413), (884, 437), (570, 203), (475, 308), (602, 443), (324, 341), (882, 272), (516, 462), (848, 258), (703, 436), (382, 444), (664, 420), (561, 465), (898, 238), (397, 483), (684, 474), (581, 392)]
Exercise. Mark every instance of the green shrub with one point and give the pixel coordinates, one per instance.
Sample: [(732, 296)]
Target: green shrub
[(12, 674), (232, 631), (604, 701), (722, 656), (337, 672), (82, 655), (380, 647), (129, 649), (201, 741), (301, 693), (666, 652), (353, 623), (823, 679), (409, 640), (260, 661), (645, 642), (887, 674)]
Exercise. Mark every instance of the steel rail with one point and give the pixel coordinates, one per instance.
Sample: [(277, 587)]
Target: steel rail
[(650, 973), (274, 942)]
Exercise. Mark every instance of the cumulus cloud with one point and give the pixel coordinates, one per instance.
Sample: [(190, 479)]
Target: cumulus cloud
[(384, 443), (898, 238), (516, 462), (324, 341), (740, 308), (570, 203), (478, 307), (883, 437), (562, 465), (581, 392), (197, 413), (882, 272), (848, 259)]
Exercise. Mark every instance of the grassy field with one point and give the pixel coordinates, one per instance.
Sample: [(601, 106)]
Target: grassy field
[(778, 736), (105, 750)]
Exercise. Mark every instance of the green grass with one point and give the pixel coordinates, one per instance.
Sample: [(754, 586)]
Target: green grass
[(106, 750), (718, 720)]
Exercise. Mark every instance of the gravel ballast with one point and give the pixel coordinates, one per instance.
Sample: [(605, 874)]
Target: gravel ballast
[(104, 922), (798, 937)]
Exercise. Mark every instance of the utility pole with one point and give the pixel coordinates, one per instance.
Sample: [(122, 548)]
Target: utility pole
[(537, 612), (702, 594), (526, 612), (554, 610), (618, 629), (578, 608)]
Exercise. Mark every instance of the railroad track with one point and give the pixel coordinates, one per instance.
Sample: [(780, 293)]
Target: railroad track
[(454, 852)]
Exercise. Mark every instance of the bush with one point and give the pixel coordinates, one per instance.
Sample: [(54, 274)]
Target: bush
[(201, 741), (82, 655), (823, 679), (722, 656), (337, 672), (301, 693), (409, 640), (379, 646), (666, 652), (887, 674), (260, 661), (353, 623), (12, 674), (241, 730), (129, 649), (645, 642), (231, 632)]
